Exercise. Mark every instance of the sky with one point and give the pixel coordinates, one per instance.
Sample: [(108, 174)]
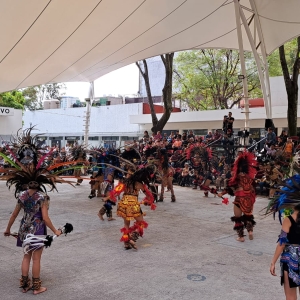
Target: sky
[(124, 81)]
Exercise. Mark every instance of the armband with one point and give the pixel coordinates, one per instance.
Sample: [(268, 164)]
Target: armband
[(282, 238)]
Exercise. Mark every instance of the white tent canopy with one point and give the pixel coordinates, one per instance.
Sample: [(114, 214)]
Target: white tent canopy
[(46, 41)]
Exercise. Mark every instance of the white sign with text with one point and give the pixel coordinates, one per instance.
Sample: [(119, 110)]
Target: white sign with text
[(6, 111)]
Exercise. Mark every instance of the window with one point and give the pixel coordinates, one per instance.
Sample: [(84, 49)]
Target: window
[(110, 138), (93, 138)]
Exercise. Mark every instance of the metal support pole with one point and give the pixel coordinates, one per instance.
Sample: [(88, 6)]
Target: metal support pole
[(242, 59), (87, 122), (89, 102), (264, 59), (257, 60)]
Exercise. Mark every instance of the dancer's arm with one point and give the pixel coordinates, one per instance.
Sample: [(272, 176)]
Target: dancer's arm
[(48, 221), (12, 219), (280, 245)]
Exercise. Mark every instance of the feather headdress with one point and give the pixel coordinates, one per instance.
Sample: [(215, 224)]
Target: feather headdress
[(28, 173), (244, 163), (287, 197)]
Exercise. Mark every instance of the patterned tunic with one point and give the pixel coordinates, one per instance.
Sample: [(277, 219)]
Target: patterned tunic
[(32, 221)]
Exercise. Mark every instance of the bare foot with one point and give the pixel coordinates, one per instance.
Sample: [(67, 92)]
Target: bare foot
[(40, 290), (250, 235), (101, 217), (240, 239), (110, 219)]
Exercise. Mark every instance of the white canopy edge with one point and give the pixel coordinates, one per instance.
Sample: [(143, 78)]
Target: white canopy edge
[(44, 41)]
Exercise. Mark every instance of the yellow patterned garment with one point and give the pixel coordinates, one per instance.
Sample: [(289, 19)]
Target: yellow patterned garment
[(129, 207)]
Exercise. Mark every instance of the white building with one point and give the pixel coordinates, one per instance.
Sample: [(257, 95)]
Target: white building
[(109, 125)]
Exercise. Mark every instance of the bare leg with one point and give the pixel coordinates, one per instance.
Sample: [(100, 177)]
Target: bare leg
[(170, 187), (36, 269), (26, 264), (238, 213), (290, 293)]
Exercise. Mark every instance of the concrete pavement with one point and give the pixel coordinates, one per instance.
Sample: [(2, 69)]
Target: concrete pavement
[(188, 252)]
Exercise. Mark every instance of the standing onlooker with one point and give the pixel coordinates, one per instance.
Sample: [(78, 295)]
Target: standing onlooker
[(230, 121), (177, 134), (271, 137)]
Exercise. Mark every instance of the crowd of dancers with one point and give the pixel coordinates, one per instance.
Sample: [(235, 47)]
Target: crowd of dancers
[(118, 176)]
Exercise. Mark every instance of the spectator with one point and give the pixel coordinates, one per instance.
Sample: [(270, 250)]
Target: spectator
[(177, 144), (225, 123), (146, 135), (271, 151), (279, 143), (284, 136), (158, 136), (288, 149), (191, 135), (271, 137), (230, 121), (217, 135), (172, 135), (177, 134), (209, 136)]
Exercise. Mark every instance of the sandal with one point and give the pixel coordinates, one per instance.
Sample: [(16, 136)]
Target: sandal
[(25, 284), (134, 236), (127, 246)]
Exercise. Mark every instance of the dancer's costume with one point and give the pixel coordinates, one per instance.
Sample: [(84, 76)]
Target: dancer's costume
[(129, 207), (208, 160), (284, 202), (241, 185), (78, 155), (30, 173), (166, 173)]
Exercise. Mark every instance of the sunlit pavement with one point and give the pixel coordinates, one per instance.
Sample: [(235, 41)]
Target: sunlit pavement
[(188, 252)]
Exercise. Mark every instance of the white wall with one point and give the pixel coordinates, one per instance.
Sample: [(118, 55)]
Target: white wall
[(105, 120), (278, 91)]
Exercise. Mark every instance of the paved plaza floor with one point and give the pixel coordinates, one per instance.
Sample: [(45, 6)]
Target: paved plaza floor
[(188, 252)]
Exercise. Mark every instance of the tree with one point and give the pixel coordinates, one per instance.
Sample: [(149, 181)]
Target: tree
[(290, 76), (208, 78), (167, 59), (35, 95), (12, 99)]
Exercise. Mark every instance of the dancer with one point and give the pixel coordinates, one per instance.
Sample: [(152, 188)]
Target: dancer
[(241, 185), (105, 188), (29, 181), (288, 244), (78, 155), (129, 208), (166, 173)]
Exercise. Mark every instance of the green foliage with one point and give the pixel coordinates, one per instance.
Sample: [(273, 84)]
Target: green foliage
[(14, 99), (208, 79), (274, 60), (35, 95)]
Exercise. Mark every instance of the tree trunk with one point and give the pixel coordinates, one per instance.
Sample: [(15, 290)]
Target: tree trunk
[(145, 75), (291, 85), (292, 112), (158, 125)]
